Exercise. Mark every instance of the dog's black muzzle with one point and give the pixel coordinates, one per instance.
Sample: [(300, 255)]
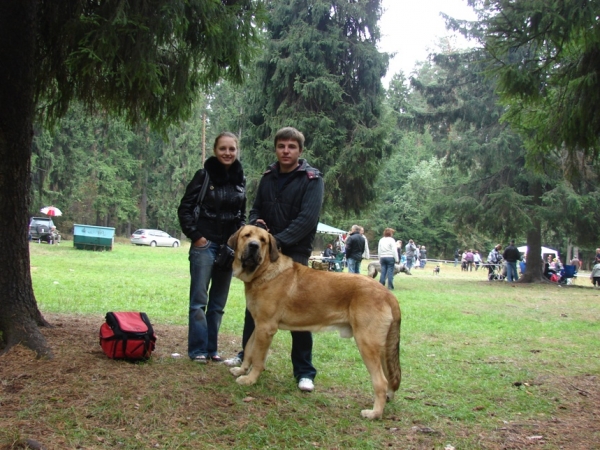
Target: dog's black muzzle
[(251, 256)]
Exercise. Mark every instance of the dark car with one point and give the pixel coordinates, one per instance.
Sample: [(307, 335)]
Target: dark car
[(40, 228)]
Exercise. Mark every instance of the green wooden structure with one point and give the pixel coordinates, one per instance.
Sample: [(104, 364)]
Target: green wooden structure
[(91, 237)]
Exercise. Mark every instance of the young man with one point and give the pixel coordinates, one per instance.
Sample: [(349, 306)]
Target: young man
[(288, 203), (355, 247), (511, 255)]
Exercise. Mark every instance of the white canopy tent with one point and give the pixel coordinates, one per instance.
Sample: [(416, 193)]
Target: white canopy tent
[(322, 228), (545, 251)]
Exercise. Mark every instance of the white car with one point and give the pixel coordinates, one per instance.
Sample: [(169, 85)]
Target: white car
[(154, 238)]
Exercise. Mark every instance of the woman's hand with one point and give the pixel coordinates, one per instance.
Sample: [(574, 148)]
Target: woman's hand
[(200, 242)]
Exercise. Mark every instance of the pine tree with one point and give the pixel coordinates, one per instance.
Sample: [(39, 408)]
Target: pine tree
[(321, 73), (145, 62)]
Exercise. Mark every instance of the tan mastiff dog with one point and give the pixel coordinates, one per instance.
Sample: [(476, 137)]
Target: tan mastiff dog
[(282, 294)]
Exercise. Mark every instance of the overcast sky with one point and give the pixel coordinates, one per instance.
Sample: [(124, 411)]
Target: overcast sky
[(410, 28)]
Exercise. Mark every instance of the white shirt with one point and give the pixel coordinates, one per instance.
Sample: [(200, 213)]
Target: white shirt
[(366, 254), (387, 248)]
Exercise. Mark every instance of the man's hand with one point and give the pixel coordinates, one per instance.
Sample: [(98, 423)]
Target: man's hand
[(261, 223)]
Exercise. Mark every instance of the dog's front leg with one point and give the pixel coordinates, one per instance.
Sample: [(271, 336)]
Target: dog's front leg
[(247, 362), (263, 336)]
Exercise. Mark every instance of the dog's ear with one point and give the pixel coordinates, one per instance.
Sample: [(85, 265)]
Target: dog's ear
[(273, 251), (232, 241)]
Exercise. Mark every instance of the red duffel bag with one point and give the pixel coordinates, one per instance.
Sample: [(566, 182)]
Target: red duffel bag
[(127, 335)]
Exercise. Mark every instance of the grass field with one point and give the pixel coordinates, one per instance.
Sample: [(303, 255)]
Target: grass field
[(485, 365)]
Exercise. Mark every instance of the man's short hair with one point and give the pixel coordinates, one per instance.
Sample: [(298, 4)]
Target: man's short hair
[(355, 228), (290, 133)]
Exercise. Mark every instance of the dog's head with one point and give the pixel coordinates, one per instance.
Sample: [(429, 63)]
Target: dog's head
[(252, 246)]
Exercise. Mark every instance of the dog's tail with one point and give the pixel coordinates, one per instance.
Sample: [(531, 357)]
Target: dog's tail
[(392, 356)]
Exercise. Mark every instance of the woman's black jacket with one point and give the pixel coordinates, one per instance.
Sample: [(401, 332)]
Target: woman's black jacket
[(223, 209)]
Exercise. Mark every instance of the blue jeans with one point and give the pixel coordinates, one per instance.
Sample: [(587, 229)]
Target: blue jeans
[(423, 262), (409, 262), (511, 271), (387, 271), (207, 305), (302, 341), (354, 265)]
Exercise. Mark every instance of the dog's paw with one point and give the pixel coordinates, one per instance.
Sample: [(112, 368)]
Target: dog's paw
[(244, 380), (237, 371), (370, 414)]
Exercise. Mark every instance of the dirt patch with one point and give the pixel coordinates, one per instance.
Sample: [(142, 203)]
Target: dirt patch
[(81, 390)]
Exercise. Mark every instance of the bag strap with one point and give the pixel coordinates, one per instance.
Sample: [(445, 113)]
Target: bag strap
[(204, 187)]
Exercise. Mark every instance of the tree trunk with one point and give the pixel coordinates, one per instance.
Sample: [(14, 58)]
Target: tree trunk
[(19, 314), (144, 200), (534, 264)]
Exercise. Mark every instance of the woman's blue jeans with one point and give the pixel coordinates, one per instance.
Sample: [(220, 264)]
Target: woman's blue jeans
[(387, 271), (209, 288)]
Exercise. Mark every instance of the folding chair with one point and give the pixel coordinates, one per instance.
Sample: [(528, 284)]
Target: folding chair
[(567, 274)]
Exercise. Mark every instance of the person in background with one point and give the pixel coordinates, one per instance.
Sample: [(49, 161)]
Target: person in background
[(388, 256), (423, 256), (287, 204), (366, 254), (576, 262), (511, 255), (222, 213), (456, 256), (417, 257), (410, 253), (595, 275), (399, 248), (355, 247), (54, 235), (477, 260), (494, 258), (469, 259)]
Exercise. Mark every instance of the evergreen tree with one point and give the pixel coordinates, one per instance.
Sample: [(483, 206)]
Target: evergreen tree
[(143, 62), (545, 55), (321, 73), (502, 198)]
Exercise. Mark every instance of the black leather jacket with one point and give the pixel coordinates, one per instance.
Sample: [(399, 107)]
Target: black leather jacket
[(223, 209), (355, 246), (292, 211)]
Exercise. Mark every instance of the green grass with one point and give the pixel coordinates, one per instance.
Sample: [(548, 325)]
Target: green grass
[(475, 355)]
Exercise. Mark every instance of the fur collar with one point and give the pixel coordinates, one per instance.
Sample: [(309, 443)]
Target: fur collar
[(220, 176)]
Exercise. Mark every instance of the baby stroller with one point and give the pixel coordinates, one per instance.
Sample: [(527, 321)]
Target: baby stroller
[(496, 272)]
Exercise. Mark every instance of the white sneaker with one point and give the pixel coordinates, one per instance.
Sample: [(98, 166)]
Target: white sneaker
[(233, 362), (306, 385)]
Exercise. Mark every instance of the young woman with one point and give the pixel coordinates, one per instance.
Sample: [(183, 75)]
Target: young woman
[(388, 256), (222, 213)]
